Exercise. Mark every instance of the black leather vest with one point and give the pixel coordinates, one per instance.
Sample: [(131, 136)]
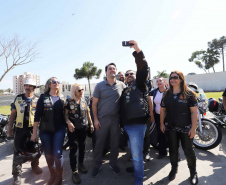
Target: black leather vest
[(177, 110), (47, 119), (79, 119), (132, 104)]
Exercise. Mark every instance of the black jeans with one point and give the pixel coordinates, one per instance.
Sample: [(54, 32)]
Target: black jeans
[(187, 145), (77, 140), (161, 136), (21, 135), (146, 148)]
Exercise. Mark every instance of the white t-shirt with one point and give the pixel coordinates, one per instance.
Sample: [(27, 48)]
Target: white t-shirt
[(157, 101)]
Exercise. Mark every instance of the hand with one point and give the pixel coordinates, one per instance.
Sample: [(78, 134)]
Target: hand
[(33, 137), (192, 133), (91, 128), (135, 46), (71, 127), (97, 124), (162, 128), (10, 132)]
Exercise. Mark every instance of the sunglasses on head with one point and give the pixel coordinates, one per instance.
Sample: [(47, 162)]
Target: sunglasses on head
[(174, 77), (80, 90), (127, 74), (54, 82)]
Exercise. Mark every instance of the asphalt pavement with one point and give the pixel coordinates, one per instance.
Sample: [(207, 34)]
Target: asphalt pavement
[(211, 168)]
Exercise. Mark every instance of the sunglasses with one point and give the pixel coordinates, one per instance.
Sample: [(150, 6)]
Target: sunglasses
[(174, 77), (55, 82), (80, 90), (127, 74)]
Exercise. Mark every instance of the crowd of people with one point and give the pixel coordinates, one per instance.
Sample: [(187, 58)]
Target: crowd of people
[(123, 103)]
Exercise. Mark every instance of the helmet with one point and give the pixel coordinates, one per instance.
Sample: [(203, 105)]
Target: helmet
[(213, 105), (30, 82), (3, 120), (193, 87), (29, 152)]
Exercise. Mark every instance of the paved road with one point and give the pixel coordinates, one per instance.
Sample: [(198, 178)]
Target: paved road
[(211, 167)]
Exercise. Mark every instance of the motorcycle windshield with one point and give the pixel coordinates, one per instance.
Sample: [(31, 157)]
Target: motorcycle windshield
[(203, 97)]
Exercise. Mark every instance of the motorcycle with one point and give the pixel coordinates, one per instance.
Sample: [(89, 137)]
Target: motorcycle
[(4, 125), (218, 112), (208, 133)]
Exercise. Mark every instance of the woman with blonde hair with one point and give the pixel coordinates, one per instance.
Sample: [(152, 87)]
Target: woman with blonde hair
[(157, 98), (50, 114), (178, 119), (77, 116)]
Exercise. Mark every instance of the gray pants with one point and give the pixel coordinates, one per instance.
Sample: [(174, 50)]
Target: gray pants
[(109, 127)]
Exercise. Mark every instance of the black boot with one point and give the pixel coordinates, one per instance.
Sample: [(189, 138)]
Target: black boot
[(76, 178), (52, 176), (17, 180), (194, 178), (172, 174)]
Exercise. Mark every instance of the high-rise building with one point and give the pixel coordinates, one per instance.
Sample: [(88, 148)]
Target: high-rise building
[(18, 82)]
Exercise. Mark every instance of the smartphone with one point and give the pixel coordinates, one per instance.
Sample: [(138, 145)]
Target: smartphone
[(126, 43)]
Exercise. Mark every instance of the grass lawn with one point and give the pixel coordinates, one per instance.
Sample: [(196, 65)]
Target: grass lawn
[(214, 95), (5, 110)]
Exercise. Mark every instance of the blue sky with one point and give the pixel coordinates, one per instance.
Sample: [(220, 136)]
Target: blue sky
[(168, 31)]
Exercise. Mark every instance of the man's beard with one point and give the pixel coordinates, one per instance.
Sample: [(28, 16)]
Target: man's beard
[(122, 79), (130, 82)]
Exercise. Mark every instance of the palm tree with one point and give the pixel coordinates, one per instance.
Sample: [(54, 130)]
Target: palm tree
[(88, 70)]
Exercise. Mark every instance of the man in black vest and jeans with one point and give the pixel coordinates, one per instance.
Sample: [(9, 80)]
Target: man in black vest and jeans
[(135, 111)]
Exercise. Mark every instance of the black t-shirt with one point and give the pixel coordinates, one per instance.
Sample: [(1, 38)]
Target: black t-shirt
[(224, 94), (26, 103)]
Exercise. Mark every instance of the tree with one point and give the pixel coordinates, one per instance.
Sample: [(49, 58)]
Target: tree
[(219, 44), (14, 52), (205, 59), (88, 70), (8, 90), (161, 74)]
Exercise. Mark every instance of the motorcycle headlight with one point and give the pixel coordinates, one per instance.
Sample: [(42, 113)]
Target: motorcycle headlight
[(203, 105)]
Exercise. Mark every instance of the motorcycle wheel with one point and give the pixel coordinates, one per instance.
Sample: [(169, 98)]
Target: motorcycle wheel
[(210, 137)]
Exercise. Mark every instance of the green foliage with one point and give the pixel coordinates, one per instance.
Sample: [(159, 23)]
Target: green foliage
[(205, 59), (161, 74), (219, 45), (88, 70), (214, 95), (5, 110)]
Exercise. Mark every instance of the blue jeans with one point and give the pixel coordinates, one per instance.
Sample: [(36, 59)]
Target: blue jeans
[(136, 134), (53, 145)]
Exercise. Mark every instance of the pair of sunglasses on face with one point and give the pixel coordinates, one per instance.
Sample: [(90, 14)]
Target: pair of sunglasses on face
[(80, 90), (174, 77), (127, 74), (55, 82)]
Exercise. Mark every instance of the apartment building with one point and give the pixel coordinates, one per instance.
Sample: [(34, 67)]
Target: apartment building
[(18, 82)]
